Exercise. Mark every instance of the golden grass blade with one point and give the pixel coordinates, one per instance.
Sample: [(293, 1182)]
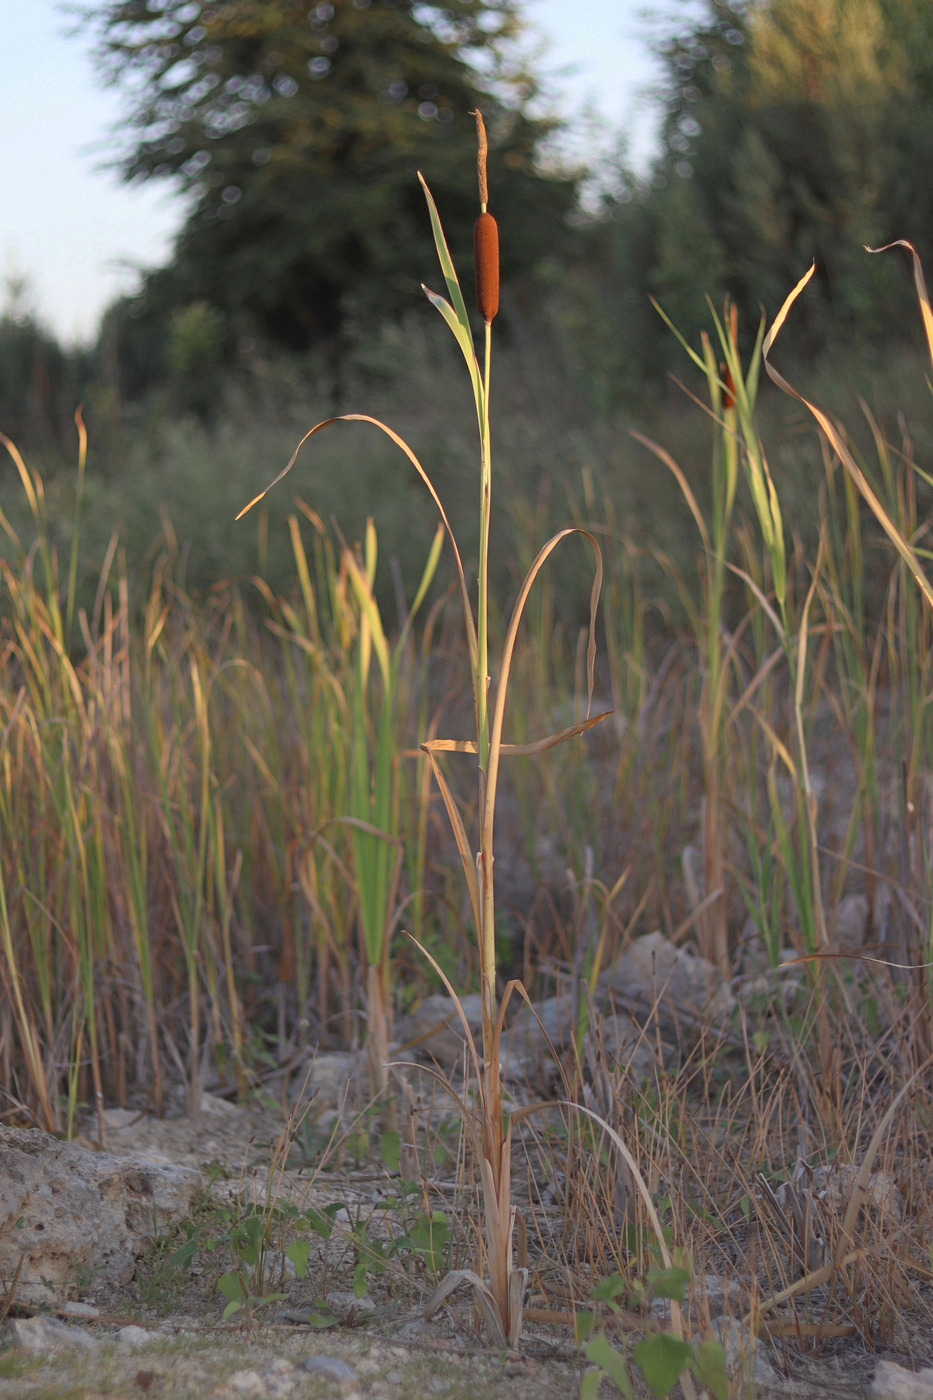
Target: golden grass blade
[(482, 1293), (517, 1284), (448, 986), (780, 748), (469, 1126), (519, 750), (495, 736), (399, 442), (24, 476), (802, 1285), (677, 1322), (636, 1173), (860, 1184), (839, 447), (358, 824), (467, 858), (364, 596), (919, 283)]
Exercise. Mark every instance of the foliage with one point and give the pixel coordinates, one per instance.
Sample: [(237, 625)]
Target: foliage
[(795, 143), (40, 381), (661, 1356), (793, 131), (296, 134)]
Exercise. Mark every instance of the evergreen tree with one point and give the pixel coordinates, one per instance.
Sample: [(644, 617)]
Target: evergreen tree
[(296, 129), (793, 130)]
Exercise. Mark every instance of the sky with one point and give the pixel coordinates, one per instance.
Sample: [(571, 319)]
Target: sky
[(78, 236)]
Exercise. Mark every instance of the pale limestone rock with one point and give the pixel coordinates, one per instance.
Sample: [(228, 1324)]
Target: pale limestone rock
[(746, 1359), (85, 1216), (684, 987), (434, 1030), (553, 1019), (893, 1382), (47, 1334), (131, 1338)]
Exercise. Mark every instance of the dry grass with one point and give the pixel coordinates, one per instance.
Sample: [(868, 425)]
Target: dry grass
[(180, 897)]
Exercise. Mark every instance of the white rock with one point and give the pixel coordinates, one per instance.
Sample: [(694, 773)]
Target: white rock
[(552, 1020), (335, 1079), (835, 1186), (893, 1382), (208, 1106), (653, 972), (332, 1368), (626, 1047), (242, 1385), (746, 1361), (83, 1213), (434, 1029), (281, 1379), (47, 1334), (86, 1310), (131, 1338)]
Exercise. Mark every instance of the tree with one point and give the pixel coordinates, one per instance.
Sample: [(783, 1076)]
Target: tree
[(793, 130), (296, 130), (40, 380)]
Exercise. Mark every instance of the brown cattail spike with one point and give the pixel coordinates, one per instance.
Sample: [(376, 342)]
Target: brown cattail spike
[(481, 153), (486, 256)]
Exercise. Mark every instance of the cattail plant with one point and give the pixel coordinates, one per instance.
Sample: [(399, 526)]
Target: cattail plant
[(499, 1294)]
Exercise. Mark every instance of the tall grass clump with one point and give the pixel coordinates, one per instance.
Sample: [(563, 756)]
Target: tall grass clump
[(500, 1298)]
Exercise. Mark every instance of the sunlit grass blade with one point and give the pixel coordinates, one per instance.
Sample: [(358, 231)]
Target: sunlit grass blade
[(840, 447)]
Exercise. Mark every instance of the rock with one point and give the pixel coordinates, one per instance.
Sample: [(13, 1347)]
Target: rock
[(552, 1020), (132, 1338), (335, 1079), (627, 1048), (434, 1029), (652, 972), (242, 1385), (332, 1368), (893, 1382), (835, 1185), (711, 1295), (756, 960), (85, 1310), (46, 1334), (746, 1361), (209, 1105), (84, 1214), (278, 1381)]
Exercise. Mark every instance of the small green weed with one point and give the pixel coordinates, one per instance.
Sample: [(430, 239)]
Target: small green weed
[(660, 1355)]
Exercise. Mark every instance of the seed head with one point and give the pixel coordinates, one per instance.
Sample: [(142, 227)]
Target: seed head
[(485, 236), (486, 257)]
